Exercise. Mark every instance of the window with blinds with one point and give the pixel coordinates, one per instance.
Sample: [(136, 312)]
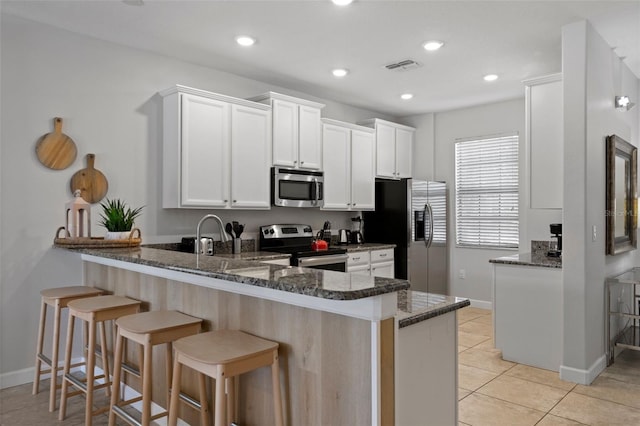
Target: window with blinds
[(487, 192)]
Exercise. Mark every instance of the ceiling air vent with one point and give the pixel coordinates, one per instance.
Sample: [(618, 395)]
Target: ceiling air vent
[(406, 65)]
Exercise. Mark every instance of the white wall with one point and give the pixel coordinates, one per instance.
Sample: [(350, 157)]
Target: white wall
[(107, 96), (592, 76), (485, 120)]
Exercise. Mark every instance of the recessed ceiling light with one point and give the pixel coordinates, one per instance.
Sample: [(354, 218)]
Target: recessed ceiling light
[(406, 96), (433, 45), (245, 40), (342, 2), (490, 77), (340, 72)]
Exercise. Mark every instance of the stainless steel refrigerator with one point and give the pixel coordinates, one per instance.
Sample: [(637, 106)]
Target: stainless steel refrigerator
[(413, 215)]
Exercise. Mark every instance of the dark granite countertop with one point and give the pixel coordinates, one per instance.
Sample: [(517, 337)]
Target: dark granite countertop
[(255, 255), (417, 306), (367, 246), (311, 282), (528, 259)]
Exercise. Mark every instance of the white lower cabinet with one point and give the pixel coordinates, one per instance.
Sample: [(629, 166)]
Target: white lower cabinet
[(216, 151), (528, 314), (377, 263), (427, 354), (348, 160)]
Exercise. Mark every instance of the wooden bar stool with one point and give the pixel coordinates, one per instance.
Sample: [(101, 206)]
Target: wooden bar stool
[(93, 310), (223, 355), (147, 329), (58, 298)]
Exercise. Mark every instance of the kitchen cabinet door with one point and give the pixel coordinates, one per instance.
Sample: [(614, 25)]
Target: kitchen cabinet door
[(359, 269), (385, 150), (543, 104), (285, 133), (336, 160), (362, 171), (404, 150), (204, 136), (383, 269), (310, 138), (250, 158)]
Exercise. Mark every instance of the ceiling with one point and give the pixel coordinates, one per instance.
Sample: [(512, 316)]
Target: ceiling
[(300, 42)]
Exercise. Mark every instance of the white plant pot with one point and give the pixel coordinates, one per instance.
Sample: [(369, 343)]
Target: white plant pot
[(124, 235)]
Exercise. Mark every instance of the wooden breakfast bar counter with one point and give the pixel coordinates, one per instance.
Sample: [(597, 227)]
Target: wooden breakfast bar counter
[(336, 330)]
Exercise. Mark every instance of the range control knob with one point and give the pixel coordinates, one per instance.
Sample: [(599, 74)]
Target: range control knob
[(271, 231)]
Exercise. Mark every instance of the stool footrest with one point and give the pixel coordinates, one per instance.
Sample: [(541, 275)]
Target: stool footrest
[(187, 399), (46, 360), (82, 384), (131, 369), (117, 409), (125, 416)]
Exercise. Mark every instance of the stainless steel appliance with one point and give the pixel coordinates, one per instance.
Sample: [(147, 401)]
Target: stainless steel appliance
[(296, 188), (344, 236), (413, 215), (296, 239)]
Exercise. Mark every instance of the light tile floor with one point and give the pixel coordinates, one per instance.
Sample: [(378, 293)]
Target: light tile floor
[(492, 392), (495, 392)]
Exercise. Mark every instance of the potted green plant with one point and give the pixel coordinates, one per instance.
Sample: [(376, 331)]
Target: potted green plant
[(118, 218)]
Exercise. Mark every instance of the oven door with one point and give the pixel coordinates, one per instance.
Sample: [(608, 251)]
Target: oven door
[(297, 188), (333, 262)]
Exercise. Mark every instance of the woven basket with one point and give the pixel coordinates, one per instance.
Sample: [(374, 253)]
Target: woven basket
[(96, 242)]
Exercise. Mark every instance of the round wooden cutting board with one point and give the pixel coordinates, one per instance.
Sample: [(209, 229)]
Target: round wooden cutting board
[(91, 182), (56, 150)]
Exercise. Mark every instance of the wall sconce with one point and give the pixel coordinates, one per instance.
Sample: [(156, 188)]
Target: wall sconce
[(623, 103)]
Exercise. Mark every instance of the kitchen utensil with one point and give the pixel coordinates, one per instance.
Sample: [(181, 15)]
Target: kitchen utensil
[(317, 245), (91, 182), (235, 228), (344, 236), (240, 231), (56, 150), (229, 229)]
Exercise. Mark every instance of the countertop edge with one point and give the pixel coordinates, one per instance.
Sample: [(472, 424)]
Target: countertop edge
[(432, 313)]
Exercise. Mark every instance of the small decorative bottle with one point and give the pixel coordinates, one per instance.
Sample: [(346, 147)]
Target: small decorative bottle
[(78, 217)]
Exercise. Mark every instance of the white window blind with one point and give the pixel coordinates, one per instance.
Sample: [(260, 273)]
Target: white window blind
[(487, 192)]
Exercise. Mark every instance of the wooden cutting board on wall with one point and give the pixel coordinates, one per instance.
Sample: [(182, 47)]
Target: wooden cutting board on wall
[(91, 182), (56, 150)]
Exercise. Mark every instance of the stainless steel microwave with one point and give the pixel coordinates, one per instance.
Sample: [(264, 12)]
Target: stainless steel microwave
[(297, 188)]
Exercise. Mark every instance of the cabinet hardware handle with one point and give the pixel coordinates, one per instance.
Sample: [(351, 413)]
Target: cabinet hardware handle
[(235, 201), (302, 162), (226, 201), (356, 258), (383, 255), (295, 162)]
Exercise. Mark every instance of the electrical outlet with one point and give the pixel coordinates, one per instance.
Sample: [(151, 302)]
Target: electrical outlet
[(462, 274)]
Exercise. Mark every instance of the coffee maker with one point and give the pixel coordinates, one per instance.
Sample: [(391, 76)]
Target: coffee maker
[(556, 230)]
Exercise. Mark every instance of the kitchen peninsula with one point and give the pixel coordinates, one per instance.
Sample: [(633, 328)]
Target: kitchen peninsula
[(341, 335), (527, 308)]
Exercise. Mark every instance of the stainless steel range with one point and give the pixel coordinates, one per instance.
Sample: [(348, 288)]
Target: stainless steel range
[(296, 239)]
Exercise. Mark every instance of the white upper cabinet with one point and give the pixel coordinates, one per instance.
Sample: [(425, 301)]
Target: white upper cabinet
[(216, 151), (544, 135), (250, 158), (394, 148), (348, 158), (297, 140)]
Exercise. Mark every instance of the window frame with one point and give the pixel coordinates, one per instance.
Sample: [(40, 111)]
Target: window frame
[(507, 189)]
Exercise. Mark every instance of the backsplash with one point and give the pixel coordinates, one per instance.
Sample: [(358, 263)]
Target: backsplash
[(539, 249)]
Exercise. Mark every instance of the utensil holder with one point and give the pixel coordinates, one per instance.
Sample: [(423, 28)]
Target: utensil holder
[(237, 246)]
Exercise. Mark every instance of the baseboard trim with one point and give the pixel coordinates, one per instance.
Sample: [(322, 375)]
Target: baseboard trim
[(21, 377), (481, 304), (583, 377)]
